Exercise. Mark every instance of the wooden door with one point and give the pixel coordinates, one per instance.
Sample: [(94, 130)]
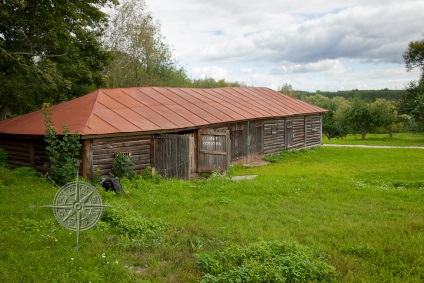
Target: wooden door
[(214, 147), (289, 134), (172, 156)]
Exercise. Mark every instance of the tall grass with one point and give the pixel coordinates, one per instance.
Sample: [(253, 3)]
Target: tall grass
[(359, 209)]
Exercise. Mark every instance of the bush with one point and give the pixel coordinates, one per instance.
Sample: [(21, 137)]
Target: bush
[(123, 166), (134, 230), (264, 262), (63, 152)]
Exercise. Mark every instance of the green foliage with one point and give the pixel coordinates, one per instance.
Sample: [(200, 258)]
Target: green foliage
[(3, 158), (63, 151), (287, 89), (414, 57), (212, 83), (264, 262), (141, 56), (413, 101), (363, 94), (50, 52), (135, 232), (26, 171), (123, 166)]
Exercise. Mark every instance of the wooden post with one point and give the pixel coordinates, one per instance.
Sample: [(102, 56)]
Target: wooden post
[(87, 160)]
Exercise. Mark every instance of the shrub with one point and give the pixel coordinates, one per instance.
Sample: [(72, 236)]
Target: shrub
[(134, 230), (264, 262), (63, 152), (123, 166)]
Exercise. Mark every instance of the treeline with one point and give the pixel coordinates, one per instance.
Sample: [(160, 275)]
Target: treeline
[(367, 95)]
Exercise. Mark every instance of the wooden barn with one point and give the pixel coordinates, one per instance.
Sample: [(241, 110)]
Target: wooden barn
[(177, 131)]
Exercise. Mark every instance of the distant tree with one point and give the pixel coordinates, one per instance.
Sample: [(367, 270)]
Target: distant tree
[(357, 117), (141, 56), (211, 83), (288, 90), (385, 114), (49, 51)]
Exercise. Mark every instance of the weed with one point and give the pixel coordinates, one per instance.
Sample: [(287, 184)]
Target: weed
[(123, 166), (264, 262)]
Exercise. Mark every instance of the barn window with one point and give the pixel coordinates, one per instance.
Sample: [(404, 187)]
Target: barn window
[(126, 153), (273, 130)]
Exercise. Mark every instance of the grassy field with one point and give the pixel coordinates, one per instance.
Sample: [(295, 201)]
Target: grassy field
[(359, 210), (398, 139)]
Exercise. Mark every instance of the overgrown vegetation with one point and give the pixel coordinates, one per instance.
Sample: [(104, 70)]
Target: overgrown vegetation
[(63, 151), (356, 209), (123, 165), (264, 262)]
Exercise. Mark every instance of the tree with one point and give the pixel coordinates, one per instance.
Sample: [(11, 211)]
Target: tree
[(288, 90), (385, 114), (413, 101), (141, 57), (50, 51), (357, 117)]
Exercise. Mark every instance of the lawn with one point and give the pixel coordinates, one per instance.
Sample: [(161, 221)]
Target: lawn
[(397, 139), (358, 210)]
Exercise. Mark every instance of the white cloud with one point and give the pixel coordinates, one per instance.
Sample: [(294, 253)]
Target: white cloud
[(312, 42), (330, 66), (214, 72)]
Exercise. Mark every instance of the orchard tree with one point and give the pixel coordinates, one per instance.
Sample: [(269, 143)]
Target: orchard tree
[(141, 56), (50, 51), (357, 117), (385, 114)]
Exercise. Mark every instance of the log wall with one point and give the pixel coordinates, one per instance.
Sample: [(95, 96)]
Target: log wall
[(104, 149), (274, 136), (313, 131), (298, 132), (25, 152)]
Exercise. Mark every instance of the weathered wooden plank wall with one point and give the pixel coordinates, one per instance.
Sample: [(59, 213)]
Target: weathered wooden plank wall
[(172, 156), (274, 136), (298, 132), (214, 149), (104, 150), (313, 130)]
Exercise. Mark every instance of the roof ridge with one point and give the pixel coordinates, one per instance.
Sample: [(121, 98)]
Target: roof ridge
[(98, 91)]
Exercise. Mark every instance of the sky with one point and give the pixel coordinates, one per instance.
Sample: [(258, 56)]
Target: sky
[(312, 45)]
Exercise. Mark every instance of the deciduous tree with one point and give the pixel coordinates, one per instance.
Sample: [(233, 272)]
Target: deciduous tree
[(50, 51), (141, 56)]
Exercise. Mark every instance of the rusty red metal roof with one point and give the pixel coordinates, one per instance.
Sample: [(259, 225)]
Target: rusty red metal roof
[(141, 109)]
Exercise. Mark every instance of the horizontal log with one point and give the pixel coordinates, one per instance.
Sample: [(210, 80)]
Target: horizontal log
[(121, 141)]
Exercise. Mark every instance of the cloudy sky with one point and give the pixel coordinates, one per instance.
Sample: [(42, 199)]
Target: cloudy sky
[(311, 44)]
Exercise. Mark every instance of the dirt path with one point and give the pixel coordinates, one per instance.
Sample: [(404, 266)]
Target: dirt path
[(371, 146)]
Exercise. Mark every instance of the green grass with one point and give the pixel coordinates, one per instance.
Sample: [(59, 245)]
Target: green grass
[(398, 139), (360, 209)]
